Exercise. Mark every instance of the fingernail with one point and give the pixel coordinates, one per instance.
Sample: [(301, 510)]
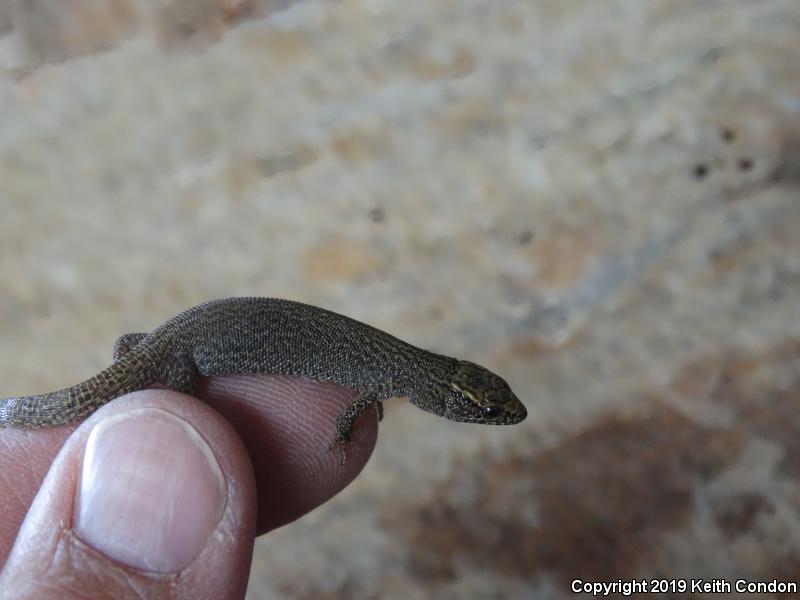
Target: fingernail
[(150, 491)]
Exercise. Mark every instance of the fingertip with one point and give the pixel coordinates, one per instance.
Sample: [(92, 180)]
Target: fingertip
[(287, 424), (139, 466), (153, 484)]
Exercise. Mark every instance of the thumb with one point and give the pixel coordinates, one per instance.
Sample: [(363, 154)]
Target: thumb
[(151, 497)]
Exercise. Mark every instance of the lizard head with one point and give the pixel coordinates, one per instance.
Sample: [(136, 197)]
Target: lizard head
[(476, 395)]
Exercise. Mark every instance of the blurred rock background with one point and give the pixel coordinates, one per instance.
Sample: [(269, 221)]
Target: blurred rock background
[(599, 200)]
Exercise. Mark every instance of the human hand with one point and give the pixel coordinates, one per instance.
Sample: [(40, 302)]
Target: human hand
[(157, 495)]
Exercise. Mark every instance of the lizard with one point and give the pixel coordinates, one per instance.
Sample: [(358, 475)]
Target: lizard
[(249, 335)]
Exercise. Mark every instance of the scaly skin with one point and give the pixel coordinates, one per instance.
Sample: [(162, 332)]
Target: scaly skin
[(268, 335)]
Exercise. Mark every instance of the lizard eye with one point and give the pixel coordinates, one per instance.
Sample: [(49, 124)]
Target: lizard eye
[(490, 412)]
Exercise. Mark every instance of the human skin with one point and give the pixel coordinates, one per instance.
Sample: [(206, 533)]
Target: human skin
[(265, 434)]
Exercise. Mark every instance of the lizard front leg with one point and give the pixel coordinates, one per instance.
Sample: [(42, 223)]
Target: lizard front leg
[(344, 422)]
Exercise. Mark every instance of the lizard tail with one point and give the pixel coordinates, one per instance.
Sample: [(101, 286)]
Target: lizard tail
[(76, 402)]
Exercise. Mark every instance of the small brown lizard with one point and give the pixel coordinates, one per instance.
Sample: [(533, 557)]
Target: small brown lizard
[(268, 335)]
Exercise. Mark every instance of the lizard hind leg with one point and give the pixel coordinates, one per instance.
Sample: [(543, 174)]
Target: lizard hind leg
[(126, 343), (180, 374)]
